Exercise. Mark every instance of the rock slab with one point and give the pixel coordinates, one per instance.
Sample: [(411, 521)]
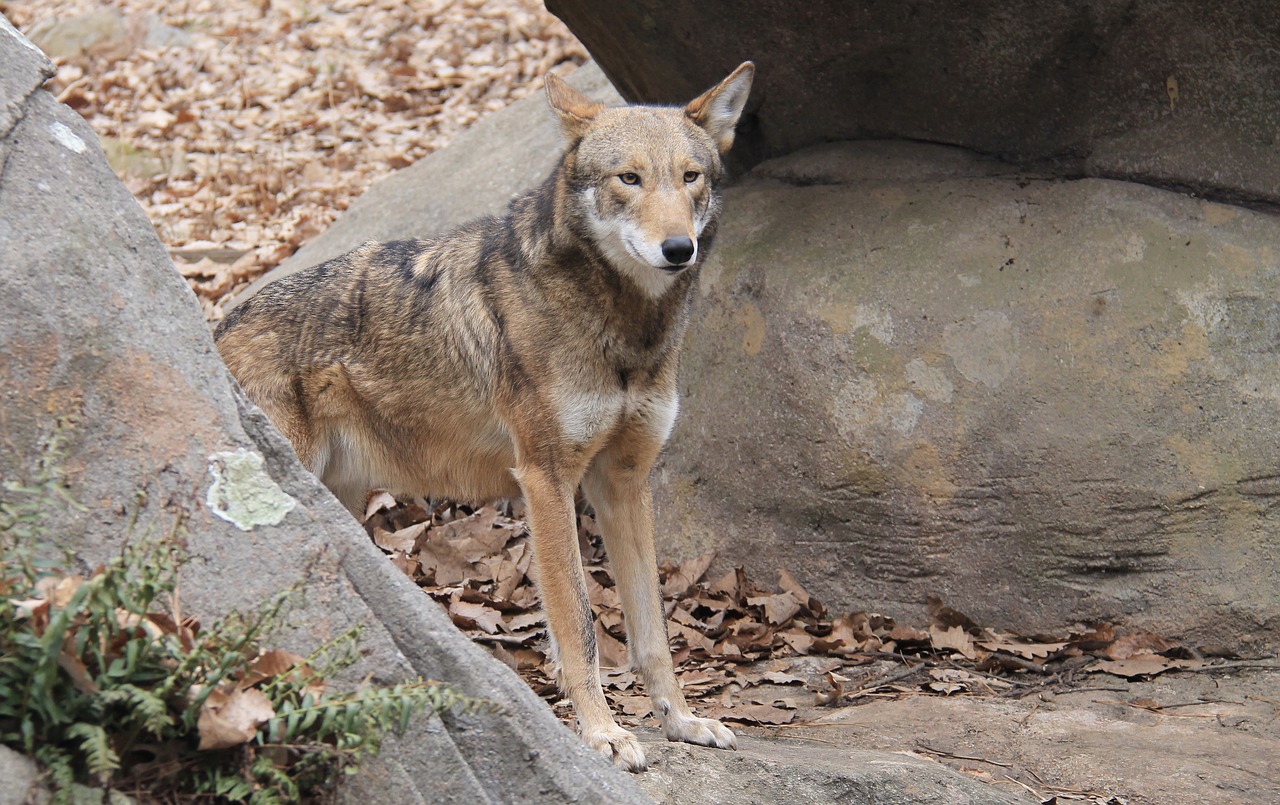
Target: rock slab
[(1154, 90), (915, 371), (765, 772)]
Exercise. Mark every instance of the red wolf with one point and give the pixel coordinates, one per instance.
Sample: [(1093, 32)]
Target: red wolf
[(521, 355)]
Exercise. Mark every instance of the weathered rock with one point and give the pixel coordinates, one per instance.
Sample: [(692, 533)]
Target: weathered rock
[(499, 158), (20, 780), (914, 371), (806, 772), (1154, 90), (105, 31), (98, 327)]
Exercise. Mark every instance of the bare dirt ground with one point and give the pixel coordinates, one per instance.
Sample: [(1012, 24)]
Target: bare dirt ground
[(244, 127)]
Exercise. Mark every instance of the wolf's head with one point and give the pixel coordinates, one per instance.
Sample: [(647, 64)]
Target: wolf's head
[(643, 180)]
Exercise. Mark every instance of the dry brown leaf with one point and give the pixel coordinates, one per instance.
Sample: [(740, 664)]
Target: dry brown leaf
[(787, 583), (637, 706), (1022, 648), (483, 617), (778, 609), (800, 641), (378, 501), (833, 696), (505, 657), (907, 634), (62, 592), (944, 617), (728, 584), (228, 720), (78, 672), (276, 662), (953, 637), (613, 652), (441, 560), (681, 579), (402, 540), (949, 680), (1137, 643), (407, 564), (751, 714), (1143, 665)]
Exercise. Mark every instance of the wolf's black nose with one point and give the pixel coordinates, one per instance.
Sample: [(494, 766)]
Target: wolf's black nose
[(678, 251)]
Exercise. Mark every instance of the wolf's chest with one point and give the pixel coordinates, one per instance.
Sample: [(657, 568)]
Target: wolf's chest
[(585, 415)]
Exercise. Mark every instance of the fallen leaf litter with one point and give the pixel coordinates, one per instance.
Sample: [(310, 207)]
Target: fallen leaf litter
[(743, 653), (245, 127)]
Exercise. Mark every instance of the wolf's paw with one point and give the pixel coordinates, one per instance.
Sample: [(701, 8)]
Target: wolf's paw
[(618, 745), (701, 731)]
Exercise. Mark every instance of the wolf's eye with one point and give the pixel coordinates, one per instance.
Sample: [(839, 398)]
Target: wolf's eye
[(629, 178), (690, 177)]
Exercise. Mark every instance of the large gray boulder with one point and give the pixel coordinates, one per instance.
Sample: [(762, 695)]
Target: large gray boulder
[(914, 371), (97, 326), (1154, 90)]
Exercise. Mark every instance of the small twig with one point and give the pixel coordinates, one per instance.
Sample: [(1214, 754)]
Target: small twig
[(942, 753), (1156, 710), (976, 672), (1224, 666), (1023, 663), (1196, 703), (881, 682), (1110, 689), (1033, 792)]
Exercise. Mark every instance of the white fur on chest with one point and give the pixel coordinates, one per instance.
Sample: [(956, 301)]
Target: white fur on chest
[(584, 415)]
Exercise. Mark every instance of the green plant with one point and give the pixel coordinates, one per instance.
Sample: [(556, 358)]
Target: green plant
[(103, 681)]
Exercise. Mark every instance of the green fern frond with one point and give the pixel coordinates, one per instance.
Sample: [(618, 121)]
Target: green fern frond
[(144, 707), (95, 746)]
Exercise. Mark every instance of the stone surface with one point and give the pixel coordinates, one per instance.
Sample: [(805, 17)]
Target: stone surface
[(97, 327), (1176, 738), (1154, 90), (19, 780), (808, 773), (914, 371), (499, 158)]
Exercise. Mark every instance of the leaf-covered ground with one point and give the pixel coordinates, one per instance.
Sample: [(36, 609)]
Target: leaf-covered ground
[(737, 641), (245, 127)]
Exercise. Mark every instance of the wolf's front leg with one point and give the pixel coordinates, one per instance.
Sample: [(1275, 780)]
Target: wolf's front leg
[(617, 485), (563, 588)]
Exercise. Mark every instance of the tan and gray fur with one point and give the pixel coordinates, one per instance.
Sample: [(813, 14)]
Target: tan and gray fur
[(521, 355)]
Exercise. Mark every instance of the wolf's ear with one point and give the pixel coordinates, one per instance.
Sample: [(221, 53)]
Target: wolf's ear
[(717, 110), (574, 109)]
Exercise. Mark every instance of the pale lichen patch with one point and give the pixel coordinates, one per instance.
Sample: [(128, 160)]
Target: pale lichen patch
[(983, 348), (243, 493), (69, 139)]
